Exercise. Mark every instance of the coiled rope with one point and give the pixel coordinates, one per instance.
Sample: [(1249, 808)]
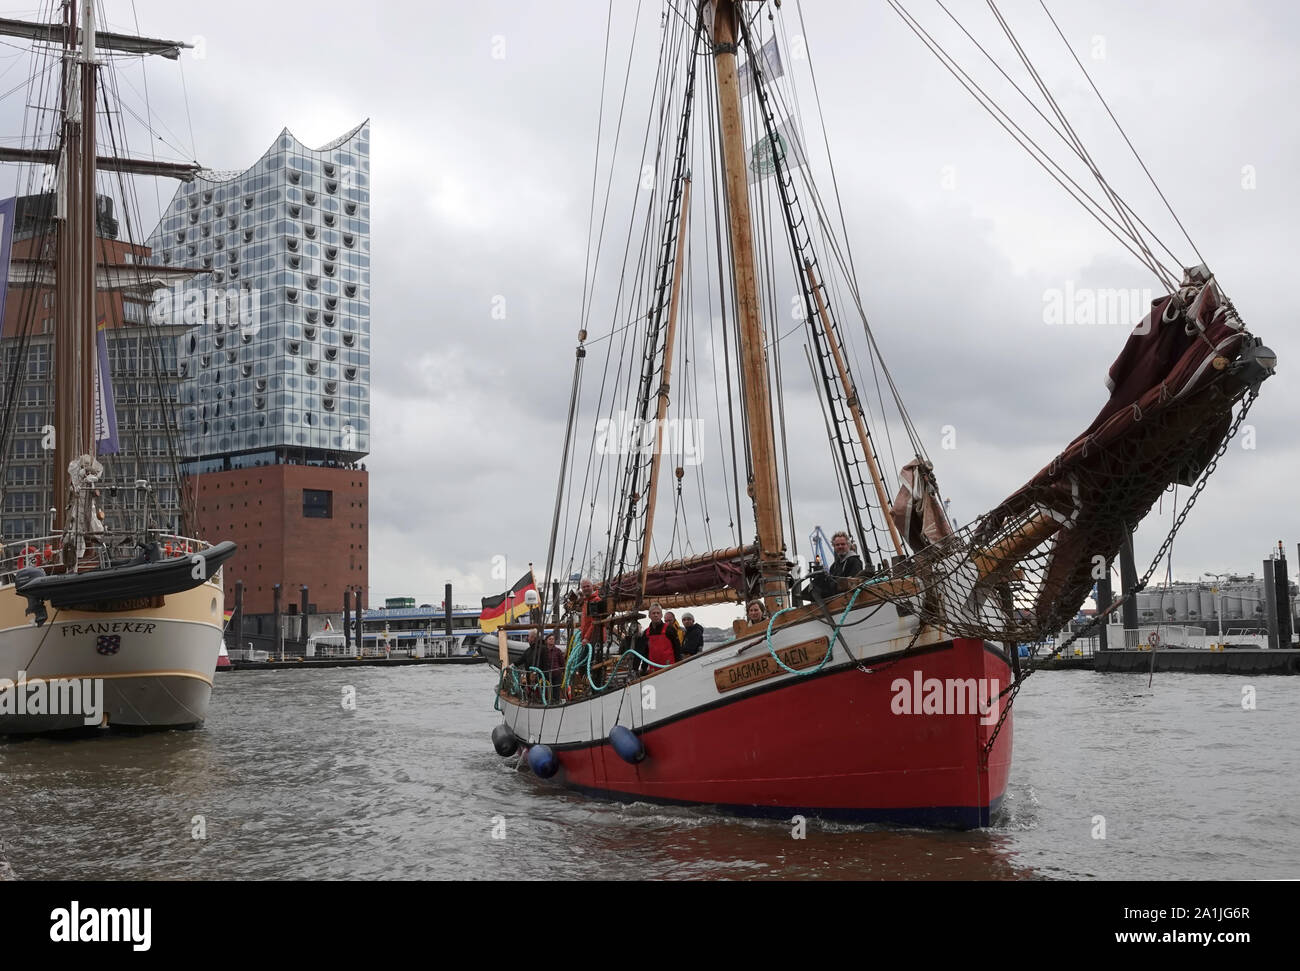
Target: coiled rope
[(835, 633)]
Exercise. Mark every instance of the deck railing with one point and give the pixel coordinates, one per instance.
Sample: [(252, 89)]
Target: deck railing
[(1144, 638), (102, 550)]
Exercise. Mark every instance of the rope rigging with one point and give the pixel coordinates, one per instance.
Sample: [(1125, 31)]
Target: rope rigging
[(592, 477), (1013, 689), (1070, 144), (615, 485), (1120, 226), (803, 258), (153, 340), (652, 355), (1124, 135)]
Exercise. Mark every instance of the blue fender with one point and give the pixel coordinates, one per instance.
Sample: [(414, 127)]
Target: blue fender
[(543, 761), (626, 744)]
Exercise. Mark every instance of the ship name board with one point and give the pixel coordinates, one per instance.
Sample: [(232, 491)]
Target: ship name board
[(108, 627), (805, 654)]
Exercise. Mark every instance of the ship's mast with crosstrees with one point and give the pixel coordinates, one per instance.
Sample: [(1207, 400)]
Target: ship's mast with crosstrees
[(76, 269)]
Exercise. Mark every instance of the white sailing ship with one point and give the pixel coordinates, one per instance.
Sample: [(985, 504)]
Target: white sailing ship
[(129, 615)]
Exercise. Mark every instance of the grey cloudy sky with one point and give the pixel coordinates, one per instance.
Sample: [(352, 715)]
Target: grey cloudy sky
[(481, 175)]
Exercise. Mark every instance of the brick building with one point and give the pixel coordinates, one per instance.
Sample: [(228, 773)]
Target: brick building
[(295, 525)]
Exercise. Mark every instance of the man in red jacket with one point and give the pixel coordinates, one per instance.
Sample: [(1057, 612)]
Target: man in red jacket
[(660, 642)]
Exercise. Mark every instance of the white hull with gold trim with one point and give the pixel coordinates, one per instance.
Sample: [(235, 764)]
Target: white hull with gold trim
[(157, 663)]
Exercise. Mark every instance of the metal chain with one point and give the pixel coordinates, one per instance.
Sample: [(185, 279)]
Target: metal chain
[(1200, 485), (1014, 688)]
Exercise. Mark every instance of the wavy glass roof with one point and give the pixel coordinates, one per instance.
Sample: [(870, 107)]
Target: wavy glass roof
[(278, 355)]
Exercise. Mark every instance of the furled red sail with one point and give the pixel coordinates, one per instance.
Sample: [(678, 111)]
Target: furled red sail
[(1022, 571), (720, 570), (1173, 388)]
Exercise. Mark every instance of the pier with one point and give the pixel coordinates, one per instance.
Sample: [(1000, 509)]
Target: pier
[(1181, 649), (1235, 626), (1247, 660)]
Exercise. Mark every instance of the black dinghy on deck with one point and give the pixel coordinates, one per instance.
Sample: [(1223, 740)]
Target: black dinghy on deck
[(153, 578)]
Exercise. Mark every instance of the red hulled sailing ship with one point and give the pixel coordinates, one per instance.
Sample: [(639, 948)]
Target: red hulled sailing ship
[(883, 695)]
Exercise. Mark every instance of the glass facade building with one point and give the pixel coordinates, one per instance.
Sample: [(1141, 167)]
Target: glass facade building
[(275, 365)]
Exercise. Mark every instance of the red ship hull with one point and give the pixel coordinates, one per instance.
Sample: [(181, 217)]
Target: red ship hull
[(832, 745)]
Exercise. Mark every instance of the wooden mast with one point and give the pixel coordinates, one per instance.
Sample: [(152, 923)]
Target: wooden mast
[(76, 225), (67, 299), (661, 410), (756, 398), (855, 407), (74, 338), (85, 269), (75, 219)]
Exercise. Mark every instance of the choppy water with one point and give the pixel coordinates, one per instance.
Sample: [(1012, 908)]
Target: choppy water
[(290, 785)]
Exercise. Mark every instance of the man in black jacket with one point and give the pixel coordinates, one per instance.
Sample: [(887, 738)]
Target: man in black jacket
[(533, 660), (533, 656), (693, 643), (847, 564)]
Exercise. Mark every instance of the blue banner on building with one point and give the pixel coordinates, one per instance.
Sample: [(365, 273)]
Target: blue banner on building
[(105, 412), (7, 215)]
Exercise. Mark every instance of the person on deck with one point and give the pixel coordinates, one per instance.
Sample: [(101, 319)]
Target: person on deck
[(593, 611), (847, 563), (659, 643), (693, 641), (671, 620), (534, 656), (756, 612), (554, 657)]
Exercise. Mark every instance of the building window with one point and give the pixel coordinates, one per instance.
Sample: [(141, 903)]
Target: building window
[(318, 503)]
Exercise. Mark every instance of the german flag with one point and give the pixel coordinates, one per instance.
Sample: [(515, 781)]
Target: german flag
[(505, 607)]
